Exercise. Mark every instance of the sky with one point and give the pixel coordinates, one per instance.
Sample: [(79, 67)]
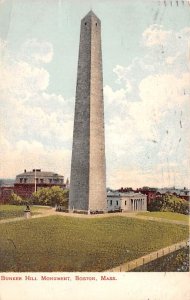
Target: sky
[(145, 46)]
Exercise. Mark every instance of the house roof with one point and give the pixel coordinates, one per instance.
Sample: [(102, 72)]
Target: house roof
[(39, 174)]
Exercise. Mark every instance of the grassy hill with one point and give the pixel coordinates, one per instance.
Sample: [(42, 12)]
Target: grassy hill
[(63, 244), (166, 215), (13, 211)]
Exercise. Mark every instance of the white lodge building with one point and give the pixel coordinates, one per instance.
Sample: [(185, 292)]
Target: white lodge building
[(128, 202)]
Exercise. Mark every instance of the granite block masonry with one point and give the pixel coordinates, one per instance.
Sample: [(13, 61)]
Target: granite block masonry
[(88, 168)]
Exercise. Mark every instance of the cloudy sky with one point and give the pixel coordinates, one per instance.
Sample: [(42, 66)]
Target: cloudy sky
[(146, 88)]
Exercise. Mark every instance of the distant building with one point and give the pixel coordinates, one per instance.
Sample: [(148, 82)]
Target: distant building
[(149, 192), (113, 201), (185, 194), (125, 189), (128, 202), (180, 193), (28, 182), (5, 193)]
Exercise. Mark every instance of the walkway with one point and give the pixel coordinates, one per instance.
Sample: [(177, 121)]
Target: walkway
[(133, 215), (42, 213), (51, 212)]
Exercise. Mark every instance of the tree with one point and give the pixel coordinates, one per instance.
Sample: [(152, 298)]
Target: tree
[(169, 203), (156, 204), (16, 200), (51, 196)]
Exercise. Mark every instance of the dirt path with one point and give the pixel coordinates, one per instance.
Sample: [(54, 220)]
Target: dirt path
[(157, 219), (42, 213), (51, 212), (128, 215)]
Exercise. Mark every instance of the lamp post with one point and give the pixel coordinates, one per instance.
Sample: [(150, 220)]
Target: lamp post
[(35, 180)]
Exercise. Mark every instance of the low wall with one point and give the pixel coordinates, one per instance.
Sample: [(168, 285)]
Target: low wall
[(128, 266)]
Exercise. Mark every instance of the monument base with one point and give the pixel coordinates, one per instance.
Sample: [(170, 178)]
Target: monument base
[(27, 214), (87, 212)]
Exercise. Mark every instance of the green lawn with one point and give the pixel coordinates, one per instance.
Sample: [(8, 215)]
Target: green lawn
[(166, 215), (63, 244), (13, 211)]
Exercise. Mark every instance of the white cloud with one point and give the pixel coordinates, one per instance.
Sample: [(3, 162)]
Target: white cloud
[(160, 93), (155, 35), (148, 116), (28, 155), (21, 79), (36, 126), (37, 51), (33, 122), (162, 176), (3, 44), (171, 59)]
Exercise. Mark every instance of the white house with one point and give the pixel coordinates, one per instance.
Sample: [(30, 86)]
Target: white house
[(113, 201), (129, 201)]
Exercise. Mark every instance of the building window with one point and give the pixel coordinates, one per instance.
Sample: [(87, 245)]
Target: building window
[(131, 204), (96, 24), (85, 23), (36, 180), (50, 180), (41, 180), (110, 202), (21, 179), (25, 180), (125, 202), (116, 202)]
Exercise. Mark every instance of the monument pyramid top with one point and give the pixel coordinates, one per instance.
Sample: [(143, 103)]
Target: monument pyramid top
[(91, 14)]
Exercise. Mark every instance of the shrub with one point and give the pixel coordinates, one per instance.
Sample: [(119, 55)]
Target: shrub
[(169, 203), (16, 200), (51, 196)]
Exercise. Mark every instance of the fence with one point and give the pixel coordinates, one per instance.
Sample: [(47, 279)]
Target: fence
[(128, 266)]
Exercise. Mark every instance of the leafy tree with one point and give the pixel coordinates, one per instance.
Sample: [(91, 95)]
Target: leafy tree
[(51, 196), (169, 203), (156, 204), (16, 200)]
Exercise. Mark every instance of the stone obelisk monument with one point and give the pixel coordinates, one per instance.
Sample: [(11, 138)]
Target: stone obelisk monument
[(88, 170)]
